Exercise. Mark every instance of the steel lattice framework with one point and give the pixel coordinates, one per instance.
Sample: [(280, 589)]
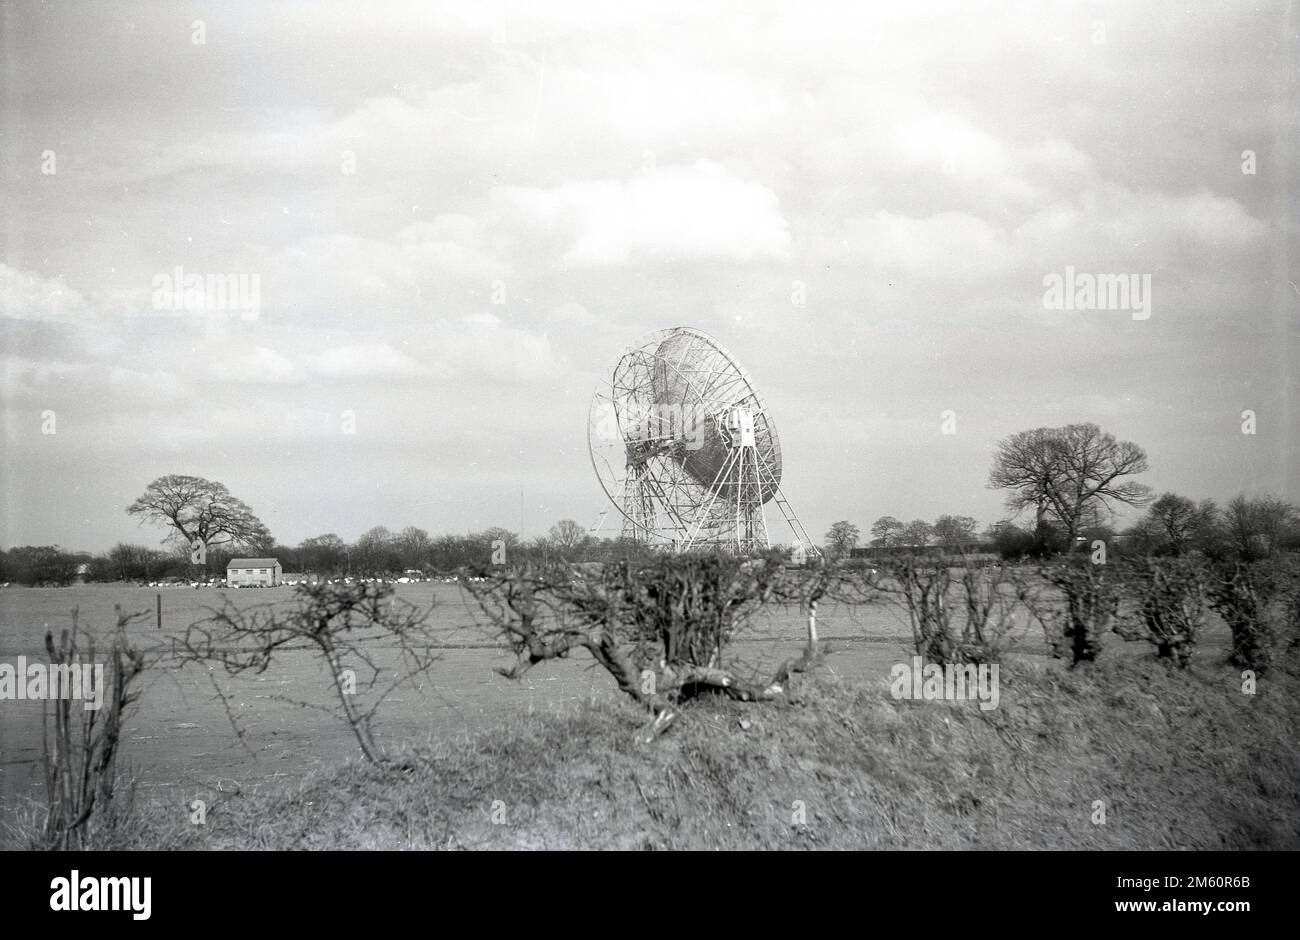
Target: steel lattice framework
[(685, 448)]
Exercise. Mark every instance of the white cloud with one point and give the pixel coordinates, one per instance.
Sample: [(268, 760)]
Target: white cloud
[(681, 213), (482, 345), (369, 276), (477, 346), (657, 102), (945, 246), (21, 374), (1105, 228), (257, 365), (1206, 218), (947, 143), (152, 387), (376, 360), (1107, 225), (25, 295)]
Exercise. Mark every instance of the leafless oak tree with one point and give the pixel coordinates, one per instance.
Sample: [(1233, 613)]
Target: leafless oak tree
[(201, 509), (841, 539), (885, 531), (955, 531), (1175, 523), (1065, 473), (567, 535), (1256, 526)]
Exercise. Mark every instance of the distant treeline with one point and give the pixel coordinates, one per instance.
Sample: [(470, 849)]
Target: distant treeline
[(1246, 527), (377, 553)]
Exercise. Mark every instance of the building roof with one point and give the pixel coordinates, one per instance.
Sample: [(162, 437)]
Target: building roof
[(252, 563)]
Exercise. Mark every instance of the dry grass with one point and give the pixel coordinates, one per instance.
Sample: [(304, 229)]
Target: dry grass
[(1182, 760)]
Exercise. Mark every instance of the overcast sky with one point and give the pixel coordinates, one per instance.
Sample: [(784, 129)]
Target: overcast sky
[(391, 174)]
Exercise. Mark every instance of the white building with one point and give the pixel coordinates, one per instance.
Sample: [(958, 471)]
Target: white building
[(254, 572)]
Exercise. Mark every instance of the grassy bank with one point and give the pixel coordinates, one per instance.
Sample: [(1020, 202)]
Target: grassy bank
[(1181, 760)]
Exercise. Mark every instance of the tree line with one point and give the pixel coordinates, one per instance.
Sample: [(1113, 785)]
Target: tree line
[(207, 527), (1070, 480), (376, 553)]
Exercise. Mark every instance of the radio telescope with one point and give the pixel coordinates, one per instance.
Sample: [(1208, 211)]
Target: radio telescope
[(684, 447)]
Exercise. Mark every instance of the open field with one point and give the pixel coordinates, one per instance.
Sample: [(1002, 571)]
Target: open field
[(1180, 760), (181, 745), (180, 741)]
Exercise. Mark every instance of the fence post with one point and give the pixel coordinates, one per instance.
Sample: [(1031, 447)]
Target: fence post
[(160, 610), (812, 626)]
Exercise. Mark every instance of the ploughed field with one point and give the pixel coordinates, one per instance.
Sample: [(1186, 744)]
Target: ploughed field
[(180, 744)]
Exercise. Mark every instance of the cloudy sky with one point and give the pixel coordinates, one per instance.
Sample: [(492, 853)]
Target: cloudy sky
[(456, 216)]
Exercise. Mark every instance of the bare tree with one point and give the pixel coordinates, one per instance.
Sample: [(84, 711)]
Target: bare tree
[(1257, 526), (1175, 523), (348, 625), (567, 535), (920, 585), (323, 554), (1241, 592), (1092, 600), (495, 543), (375, 552), (841, 539), (201, 509), (413, 545), (917, 534), (1170, 596), (132, 562), (955, 531), (885, 531), (660, 628), (1065, 473)]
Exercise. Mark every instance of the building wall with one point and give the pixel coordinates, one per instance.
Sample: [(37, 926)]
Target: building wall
[(243, 576)]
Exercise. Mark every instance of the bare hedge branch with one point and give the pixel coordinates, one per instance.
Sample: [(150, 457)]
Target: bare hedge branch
[(660, 627), (345, 625), (1170, 604), (80, 759)]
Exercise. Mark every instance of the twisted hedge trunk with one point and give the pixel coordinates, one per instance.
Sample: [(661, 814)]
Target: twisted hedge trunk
[(660, 630), (1092, 605), (1240, 594)]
